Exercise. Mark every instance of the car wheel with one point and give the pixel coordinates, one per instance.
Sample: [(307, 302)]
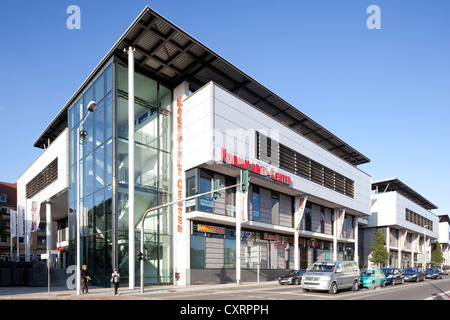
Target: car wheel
[(356, 285), (333, 288), (373, 285)]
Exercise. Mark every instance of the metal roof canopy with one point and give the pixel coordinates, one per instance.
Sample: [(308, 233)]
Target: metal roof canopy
[(168, 54), (394, 184)]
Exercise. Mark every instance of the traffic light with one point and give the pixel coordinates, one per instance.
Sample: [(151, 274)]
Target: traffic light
[(216, 193), (245, 180), (140, 256)]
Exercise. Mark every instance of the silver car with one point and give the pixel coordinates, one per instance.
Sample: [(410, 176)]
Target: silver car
[(331, 276)]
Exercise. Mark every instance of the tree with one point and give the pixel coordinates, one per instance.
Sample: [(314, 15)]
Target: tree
[(436, 255), (379, 252)]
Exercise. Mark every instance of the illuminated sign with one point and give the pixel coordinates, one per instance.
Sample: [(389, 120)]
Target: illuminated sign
[(244, 164), (179, 156), (211, 229)]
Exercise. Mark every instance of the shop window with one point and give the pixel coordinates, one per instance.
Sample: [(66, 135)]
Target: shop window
[(197, 252), (229, 253)]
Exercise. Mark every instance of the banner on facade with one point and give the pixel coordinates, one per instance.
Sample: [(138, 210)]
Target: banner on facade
[(301, 211), (20, 221), (33, 215), (13, 223), (404, 233), (341, 217)]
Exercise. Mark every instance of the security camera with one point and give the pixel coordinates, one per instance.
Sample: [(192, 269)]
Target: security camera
[(91, 106)]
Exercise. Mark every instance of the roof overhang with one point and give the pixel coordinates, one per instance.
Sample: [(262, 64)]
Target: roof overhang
[(394, 184), (170, 55)]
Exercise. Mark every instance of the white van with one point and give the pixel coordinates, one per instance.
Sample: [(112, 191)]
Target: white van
[(331, 276)]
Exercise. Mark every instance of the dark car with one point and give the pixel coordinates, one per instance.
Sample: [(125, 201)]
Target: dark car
[(433, 273), (293, 277), (414, 274), (393, 275)]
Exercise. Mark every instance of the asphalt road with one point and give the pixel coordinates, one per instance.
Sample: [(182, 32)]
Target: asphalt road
[(425, 290)]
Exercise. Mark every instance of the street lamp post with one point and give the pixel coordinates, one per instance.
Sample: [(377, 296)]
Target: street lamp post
[(81, 134)]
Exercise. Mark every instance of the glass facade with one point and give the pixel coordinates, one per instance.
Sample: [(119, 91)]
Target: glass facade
[(95, 177), (104, 160)]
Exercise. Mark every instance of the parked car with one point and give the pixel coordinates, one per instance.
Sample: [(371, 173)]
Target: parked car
[(371, 278), (393, 275), (414, 274), (433, 273), (293, 277), (331, 276)]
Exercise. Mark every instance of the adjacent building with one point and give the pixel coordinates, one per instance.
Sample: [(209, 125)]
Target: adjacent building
[(405, 216)]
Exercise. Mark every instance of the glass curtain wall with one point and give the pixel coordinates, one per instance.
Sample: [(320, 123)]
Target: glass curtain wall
[(153, 128), (95, 177), (152, 125)]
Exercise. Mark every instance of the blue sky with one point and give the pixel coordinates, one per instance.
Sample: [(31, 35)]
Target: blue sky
[(385, 92)]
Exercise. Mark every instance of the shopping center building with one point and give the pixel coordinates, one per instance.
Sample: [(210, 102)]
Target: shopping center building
[(196, 119), (409, 226)]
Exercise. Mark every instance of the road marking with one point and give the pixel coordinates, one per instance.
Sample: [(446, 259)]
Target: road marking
[(440, 296)]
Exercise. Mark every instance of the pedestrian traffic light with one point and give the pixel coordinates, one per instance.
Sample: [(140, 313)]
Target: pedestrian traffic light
[(216, 193), (245, 180), (140, 256)]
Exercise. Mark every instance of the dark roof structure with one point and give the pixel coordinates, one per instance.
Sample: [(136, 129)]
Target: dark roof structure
[(394, 184), (168, 54)]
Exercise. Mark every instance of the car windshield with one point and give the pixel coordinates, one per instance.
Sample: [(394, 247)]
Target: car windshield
[(387, 271), (291, 273), (322, 266), (367, 273), (433, 270), (410, 270)]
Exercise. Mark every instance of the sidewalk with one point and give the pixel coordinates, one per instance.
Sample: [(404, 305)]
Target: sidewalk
[(107, 293)]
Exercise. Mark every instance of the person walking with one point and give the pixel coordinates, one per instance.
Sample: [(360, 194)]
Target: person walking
[(84, 279), (115, 277)]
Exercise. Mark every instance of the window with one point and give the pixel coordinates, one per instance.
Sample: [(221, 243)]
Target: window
[(206, 201), (255, 203), (230, 253), (287, 159), (3, 198), (308, 217), (322, 219), (418, 219), (230, 197), (197, 252), (43, 179), (275, 207)]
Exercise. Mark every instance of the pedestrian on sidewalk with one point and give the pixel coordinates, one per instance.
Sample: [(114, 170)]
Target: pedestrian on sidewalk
[(115, 277), (84, 279)]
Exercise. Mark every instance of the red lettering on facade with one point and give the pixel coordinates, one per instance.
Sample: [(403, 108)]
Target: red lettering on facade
[(245, 164)]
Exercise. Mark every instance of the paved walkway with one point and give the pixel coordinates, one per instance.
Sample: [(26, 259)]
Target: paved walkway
[(102, 293)]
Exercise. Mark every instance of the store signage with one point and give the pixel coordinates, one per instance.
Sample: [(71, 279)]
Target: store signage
[(273, 237), (179, 156), (244, 164), (211, 229), (313, 243)]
